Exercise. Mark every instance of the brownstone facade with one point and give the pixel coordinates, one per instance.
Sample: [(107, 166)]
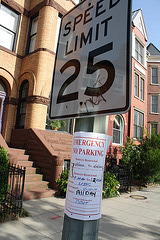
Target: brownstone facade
[(35, 68), (26, 69)]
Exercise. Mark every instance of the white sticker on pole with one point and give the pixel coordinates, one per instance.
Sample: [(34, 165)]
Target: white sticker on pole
[(84, 190)]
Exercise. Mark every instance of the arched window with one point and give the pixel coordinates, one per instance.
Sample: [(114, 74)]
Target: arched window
[(2, 86), (3, 93), (118, 130), (21, 110)]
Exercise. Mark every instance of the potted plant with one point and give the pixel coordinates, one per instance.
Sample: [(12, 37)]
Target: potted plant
[(56, 124)]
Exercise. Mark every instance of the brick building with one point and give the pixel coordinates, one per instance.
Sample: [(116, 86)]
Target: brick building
[(27, 56), (27, 53), (153, 118), (132, 123), (28, 39)]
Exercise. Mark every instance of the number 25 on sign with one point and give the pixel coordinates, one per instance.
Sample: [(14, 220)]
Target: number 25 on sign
[(92, 66)]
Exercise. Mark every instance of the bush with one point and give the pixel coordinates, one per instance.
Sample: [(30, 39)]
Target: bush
[(110, 186), (4, 161), (130, 154), (62, 183), (142, 159)]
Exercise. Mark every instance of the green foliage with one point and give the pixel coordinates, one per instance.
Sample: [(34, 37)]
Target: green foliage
[(59, 124), (143, 159), (4, 161), (110, 186), (55, 124), (157, 177), (130, 154), (25, 213), (12, 215), (62, 182)]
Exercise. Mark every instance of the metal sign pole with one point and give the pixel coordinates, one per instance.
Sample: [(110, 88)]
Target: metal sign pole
[(80, 230), (85, 183), (91, 77)]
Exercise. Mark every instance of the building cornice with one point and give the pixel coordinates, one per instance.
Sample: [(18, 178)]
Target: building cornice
[(52, 3), (154, 59)]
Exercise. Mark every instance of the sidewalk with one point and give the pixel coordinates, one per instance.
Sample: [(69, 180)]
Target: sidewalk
[(122, 218)]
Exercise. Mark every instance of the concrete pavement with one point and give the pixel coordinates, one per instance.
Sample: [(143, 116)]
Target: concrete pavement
[(122, 218)]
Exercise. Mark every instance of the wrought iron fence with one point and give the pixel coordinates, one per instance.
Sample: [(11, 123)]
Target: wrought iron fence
[(123, 176), (12, 200)]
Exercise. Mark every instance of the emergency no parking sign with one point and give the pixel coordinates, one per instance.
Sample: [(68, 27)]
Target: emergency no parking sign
[(85, 183), (92, 66)]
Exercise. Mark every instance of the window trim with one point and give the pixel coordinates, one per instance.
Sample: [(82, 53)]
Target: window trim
[(151, 127), (137, 52), (21, 99), (29, 35), (136, 95), (142, 89), (152, 75), (137, 125), (121, 130), (141, 78), (157, 95), (17, 27)]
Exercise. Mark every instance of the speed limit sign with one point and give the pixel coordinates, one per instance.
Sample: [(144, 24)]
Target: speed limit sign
[(92, 65)]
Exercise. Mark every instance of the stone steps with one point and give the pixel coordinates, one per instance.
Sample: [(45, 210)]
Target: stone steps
[(35, 186), (32, 177), (30, 185), (38, 193)]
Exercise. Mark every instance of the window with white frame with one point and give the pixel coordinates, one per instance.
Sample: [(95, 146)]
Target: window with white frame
[(142, 89), (138, 124), (154, 105), (139, 52), (118, 130), (154, 127), (154, 75), (136, 85), (97, 124), (9, 21), (57, 31), (33, 32)]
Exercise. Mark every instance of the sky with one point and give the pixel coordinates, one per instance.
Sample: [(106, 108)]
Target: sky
[(151, 15)]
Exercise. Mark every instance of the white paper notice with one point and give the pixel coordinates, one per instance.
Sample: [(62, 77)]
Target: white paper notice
[(84, 190)]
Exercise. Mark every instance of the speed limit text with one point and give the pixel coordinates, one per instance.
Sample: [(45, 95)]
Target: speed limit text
[(100, 29)]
